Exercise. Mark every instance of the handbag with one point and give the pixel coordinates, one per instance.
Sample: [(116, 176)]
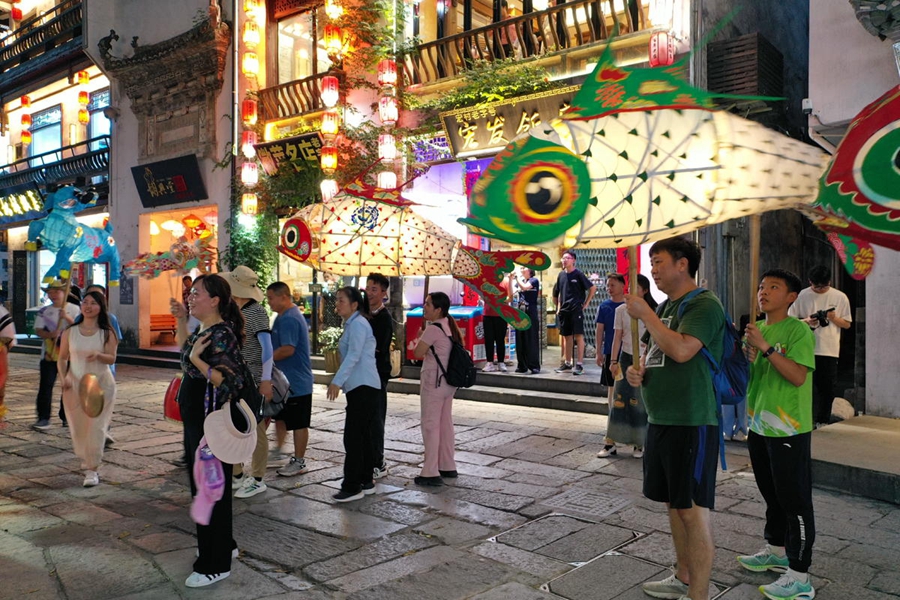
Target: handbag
[(171, 410), (281, 391)]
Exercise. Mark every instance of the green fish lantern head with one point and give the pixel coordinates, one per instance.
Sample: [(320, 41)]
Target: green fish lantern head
[(532, 192)]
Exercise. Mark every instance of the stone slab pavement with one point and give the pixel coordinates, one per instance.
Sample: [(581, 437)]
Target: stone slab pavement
[(534, 515)]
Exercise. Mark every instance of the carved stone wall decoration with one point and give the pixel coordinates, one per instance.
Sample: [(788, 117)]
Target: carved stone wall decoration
[(173, 86)]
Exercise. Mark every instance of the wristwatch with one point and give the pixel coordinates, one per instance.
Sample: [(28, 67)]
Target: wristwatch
[(769, 352)]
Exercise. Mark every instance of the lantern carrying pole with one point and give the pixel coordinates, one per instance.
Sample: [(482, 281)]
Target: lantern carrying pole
[(754, 264), (633, 289)]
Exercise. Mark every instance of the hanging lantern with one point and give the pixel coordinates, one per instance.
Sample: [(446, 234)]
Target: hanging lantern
[(333, 9), (251, 34), (154, 228), (83, 78), (16, 13), (25, 137), (249, 174), (331, 122), (387, 147), (84, 117), (249, 204), (249, 111), (662, 49), (387, 180), (329, 160), (331, 90), (192, 221), (250, 64), (171, 225), (204, 233), (329, 188), (26, 101), (387, 72), (26, 120), (387, 110), (248, 140), (333, 42), (251, 6), (212, 218), (84, 98)]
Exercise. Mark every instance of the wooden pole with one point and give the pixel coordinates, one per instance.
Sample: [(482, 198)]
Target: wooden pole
[(754, 265), (633, 290)]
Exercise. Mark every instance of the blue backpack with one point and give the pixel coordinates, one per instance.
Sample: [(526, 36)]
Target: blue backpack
[(731, 377)]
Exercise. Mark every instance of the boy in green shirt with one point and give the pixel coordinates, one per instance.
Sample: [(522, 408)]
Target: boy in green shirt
[(781, 351)]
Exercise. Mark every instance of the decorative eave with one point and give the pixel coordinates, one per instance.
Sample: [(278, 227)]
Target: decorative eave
[(880, 18)]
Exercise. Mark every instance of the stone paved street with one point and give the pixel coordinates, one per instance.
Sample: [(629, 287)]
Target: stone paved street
[(534, 515)]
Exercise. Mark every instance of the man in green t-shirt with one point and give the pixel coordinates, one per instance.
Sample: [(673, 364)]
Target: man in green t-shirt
[(779, 403), (683, 434)]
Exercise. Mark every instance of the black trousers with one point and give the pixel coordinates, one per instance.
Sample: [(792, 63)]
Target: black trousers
[(494, 336), (45, 389), (782, 468), (214, 541), (378, 425), (824, 382), (528, 345), (359, 461)]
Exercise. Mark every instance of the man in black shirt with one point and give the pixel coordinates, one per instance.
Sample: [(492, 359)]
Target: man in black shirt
[(383, 329), (572, 293)]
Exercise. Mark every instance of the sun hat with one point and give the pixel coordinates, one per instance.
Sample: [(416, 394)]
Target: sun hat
[(227, 442), (243, 283), (56, 284), (91, 395)]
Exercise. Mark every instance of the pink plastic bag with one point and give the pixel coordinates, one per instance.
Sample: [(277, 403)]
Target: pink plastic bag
[(209, 478)]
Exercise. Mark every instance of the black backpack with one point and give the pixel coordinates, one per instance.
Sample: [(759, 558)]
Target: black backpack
[(460, 371)]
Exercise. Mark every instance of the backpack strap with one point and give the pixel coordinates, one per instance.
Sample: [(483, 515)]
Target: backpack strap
[(437, 359)]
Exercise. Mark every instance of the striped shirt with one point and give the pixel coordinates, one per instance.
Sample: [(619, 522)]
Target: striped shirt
[(256, 321)]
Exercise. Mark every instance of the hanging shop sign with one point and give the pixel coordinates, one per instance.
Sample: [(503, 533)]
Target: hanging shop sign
[(169, 181), (296, 150), (488, 128), (20, 203)]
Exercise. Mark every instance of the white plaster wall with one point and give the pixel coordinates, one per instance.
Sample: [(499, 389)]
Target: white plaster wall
[(139, 18), (882, 333)]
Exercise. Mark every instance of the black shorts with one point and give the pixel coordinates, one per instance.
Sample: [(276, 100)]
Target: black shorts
[(570, 322), (297, 412), (680, 464)]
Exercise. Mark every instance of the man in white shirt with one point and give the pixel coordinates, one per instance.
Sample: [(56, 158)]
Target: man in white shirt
[(49, 324), (827, 311)]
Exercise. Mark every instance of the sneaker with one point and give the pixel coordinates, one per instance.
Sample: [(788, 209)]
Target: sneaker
[(428, 481), (578, 370), (343, 496), (787, 587), (368, 488), (535, 371), (563, 367), (764, 560), (237, 481), (109, 441), (181, 462), (65, 423), (196, 579), (91, 478), (671, 587), (608, 450), (449, 474), (42, 425), (296, 466), (521, 370), (379, 472), (489, 368), (250, 488), (740, 436), (503, 368), (637, 453)]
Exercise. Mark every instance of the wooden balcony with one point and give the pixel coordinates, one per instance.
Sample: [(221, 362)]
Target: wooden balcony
[(84, 159), (556, 31), (45, 43), (294, 98)]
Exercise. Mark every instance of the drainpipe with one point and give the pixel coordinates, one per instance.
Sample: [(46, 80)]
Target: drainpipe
[(235, 114)]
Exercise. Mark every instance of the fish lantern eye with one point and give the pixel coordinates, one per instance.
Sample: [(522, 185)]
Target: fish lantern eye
[(291, 237), (544, 194)]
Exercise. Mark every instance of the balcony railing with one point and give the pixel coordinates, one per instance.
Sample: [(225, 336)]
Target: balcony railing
[(564, 27), (41, 34), (293, 98), (84, 159)]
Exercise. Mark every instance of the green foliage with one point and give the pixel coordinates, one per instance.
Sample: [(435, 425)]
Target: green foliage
[(254, 246), (329, 338), (294, 186)]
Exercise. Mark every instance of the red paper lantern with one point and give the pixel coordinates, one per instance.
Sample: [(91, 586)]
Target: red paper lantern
[(329, 160), (84, 117), (334, 42), (26, 120), (250, 64), (25, 137), (331, 122), (251, 6), (331, 90), (248, 140), (387, 72), (329, 188), (333, 9), (662, 49), (249, 109), (16, 13), (26, 101), (83, 78), (388, 110), (249, 174), (249, 204), (251, 34), (387, 147), (83, 98)]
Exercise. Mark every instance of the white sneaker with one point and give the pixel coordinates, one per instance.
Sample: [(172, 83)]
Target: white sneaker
[(739, 436), (608, 450), (503, 368), (251, 488), (91, 478), (196, 579), (670, 588), (489, 368), (379, 472), (296, 466), (638, 453), (237, 482)]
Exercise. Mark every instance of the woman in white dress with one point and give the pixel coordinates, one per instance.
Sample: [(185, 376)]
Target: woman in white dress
[(89, 347)]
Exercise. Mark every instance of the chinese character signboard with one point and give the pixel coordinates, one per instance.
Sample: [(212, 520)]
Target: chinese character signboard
[(295, 150), (487, 128), (169, 181)]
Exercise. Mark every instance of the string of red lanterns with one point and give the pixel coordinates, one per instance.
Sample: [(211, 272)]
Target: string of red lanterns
[(250, 38), (25, 135)]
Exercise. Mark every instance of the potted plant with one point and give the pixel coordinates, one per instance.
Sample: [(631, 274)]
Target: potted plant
[(328, 340)]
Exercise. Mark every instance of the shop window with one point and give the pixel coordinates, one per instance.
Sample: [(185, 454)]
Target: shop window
[(99, 124), (46, 134), (301, 46)]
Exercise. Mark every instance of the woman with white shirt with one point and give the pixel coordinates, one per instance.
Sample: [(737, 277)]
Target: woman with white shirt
[(358, 378)]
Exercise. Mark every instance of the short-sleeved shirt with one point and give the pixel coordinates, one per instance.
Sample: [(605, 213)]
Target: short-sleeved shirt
[(528, 299), (606, 315), (623, 322), (223, 354), (572, 288), (383, 330), (682, 393), (289, 329), (435, 335), (47, 319), (256, 321), (7, 328), (775, 406), (828, 339)]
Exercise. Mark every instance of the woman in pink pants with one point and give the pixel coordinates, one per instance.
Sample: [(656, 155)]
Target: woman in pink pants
[(436, 394)]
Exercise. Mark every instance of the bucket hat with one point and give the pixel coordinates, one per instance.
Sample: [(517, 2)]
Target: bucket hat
[(243, 283), (223, 436), (56, 284)]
